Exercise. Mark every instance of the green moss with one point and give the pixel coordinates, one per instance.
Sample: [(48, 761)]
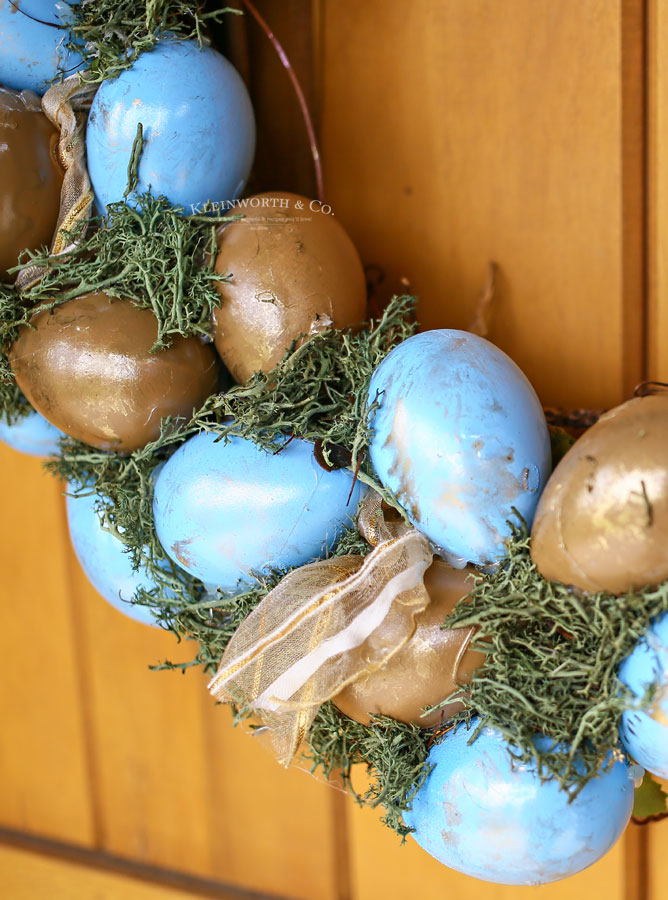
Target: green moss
[(394, 754), (112, 34), (152, 255), (552, 657)]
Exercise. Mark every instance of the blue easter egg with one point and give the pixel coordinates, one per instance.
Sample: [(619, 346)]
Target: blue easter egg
[(31, 434), (478, 815), (198, 127), (32, 45), (104, 560), (223, 510), (460, 438), (644, 733)]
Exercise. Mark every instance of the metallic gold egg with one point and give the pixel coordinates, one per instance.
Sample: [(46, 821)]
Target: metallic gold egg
[(293, 270), (602, 521), (86, 366), (30, 177), (427, 669)]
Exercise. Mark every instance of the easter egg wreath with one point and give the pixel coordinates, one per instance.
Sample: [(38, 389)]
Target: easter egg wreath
[(384, 553)]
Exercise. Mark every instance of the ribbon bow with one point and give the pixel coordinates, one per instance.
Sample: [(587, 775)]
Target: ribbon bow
[(320, 628)]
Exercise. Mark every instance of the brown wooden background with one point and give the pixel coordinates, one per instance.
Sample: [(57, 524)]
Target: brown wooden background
[(454, 132)]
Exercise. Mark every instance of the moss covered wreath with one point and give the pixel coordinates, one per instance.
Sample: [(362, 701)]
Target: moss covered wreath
[(546, 679)]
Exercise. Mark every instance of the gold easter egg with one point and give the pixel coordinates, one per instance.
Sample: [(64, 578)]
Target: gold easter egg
[(602, 521), (30, 177), (427, 669), (292, 270), (87, 367)]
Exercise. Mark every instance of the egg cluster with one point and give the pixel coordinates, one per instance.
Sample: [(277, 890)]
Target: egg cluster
[(456, 437)]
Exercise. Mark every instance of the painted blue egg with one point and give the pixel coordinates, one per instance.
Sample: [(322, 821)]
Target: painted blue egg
[(460, 438), (104, 560), (32, 46), (477, 814), (31, 434), (644, 733), (198, 127), (225, 510)]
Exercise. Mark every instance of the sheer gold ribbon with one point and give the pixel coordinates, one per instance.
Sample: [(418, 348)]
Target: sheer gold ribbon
[(66, 105), (320, 628)]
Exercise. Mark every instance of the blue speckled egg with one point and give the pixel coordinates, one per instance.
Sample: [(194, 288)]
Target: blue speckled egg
[(103, 559), (31, 434), (33, 52), (644, 733), (460, 438), (477, 815), (223, 510), (198, 122)]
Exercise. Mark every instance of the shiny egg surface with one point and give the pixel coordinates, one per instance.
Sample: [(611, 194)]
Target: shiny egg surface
[(198, 128), (87, 367), (428, 668), (460, 437), (33, 34), (225, 510), (602, 522), (292, 270), (104, 560), (31, 434), (30, 178), (479, 815), (644, 732)]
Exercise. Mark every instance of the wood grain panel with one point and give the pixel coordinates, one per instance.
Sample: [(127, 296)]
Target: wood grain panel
[(457, 133), (657, 89), (283, 159), (147, 734), (30, 876), (272, 828), (45, 782), (177, 786), (656, 834), (636, 863)]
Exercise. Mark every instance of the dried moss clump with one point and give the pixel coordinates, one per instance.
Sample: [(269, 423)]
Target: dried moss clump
[(112, 34), (552, 662)]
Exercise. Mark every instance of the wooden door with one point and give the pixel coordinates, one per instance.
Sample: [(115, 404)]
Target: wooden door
[(453, 133)]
